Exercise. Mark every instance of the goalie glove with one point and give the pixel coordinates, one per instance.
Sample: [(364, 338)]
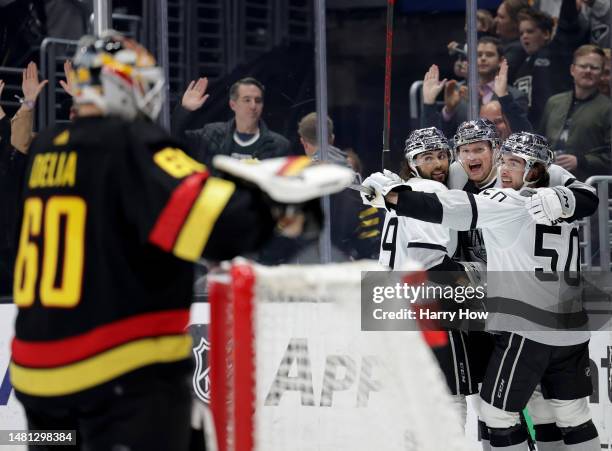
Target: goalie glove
[(380, 184), (288, 180), (548, 205)]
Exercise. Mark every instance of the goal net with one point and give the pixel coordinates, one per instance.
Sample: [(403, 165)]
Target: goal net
[(292, 370)]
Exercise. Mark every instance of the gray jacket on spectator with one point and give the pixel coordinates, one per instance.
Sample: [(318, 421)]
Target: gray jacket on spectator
[(217, 138), (334, 155), (588, 136), (514, 107)]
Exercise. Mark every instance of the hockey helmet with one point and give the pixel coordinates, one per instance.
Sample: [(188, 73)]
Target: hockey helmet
[(425, 140), (475, 131), (530, 147), (117, 75)]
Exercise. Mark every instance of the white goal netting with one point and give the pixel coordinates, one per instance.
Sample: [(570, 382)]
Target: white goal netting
[(317, 382)]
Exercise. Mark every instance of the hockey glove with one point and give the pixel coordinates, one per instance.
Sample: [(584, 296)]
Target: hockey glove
[(288, 180), (380, 185), (548, 205)]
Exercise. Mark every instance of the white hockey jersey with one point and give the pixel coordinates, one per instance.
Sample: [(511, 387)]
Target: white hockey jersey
[(407, 240), (526, 281), (471, 242)]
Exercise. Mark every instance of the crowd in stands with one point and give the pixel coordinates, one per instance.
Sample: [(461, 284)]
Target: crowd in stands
[(542, 67), (540, 70)]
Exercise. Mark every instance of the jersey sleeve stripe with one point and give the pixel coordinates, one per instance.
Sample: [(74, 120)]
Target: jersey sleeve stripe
[(100, 368), (199, 225), (172, 217), (370, 222), (69, 350), (368, 234), (294, 165), (474, 210), (368, 212), (427, 246), (569, 182)]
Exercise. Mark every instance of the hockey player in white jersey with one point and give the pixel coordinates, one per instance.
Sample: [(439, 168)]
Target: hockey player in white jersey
[(534, 348), (425, 168), (477, 147)]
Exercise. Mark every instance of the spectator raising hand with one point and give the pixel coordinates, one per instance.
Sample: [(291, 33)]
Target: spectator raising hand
[(432, 86), (500, 87), (68, 85), (195, 94), (30, 85), (453, 95)]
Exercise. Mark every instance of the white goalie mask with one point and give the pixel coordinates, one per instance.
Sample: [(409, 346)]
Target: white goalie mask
[(117, 75), (530, 147), (425, 140)]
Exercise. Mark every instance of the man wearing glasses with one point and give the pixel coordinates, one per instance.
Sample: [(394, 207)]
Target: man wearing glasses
[(577, 122)]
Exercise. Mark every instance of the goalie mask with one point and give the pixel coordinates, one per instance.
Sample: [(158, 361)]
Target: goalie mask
[(529, 147), (117, 75), (424, 140)]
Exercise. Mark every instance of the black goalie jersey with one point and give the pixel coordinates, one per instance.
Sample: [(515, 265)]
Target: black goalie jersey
[(114, 214)]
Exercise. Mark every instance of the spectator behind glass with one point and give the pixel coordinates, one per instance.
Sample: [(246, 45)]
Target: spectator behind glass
[(507, 29), (492, 87), (595, 16), (485, 26), (244, 136), (544, 72), (604, 85), (307, 130), (485, 22), (493, 112), (577, 122), (15, 138), (355, 228)]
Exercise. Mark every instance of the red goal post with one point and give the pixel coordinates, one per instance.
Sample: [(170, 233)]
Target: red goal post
[(291, 368)]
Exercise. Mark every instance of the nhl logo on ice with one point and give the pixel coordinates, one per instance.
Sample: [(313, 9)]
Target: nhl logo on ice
[(201, 375)]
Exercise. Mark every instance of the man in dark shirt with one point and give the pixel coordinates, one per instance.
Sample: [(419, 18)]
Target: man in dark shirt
[(244, 136)]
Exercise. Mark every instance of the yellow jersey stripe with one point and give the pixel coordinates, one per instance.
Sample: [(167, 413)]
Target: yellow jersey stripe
[(101, 368), (370, 222), (370, 234), (368, 212), (204, 214)]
